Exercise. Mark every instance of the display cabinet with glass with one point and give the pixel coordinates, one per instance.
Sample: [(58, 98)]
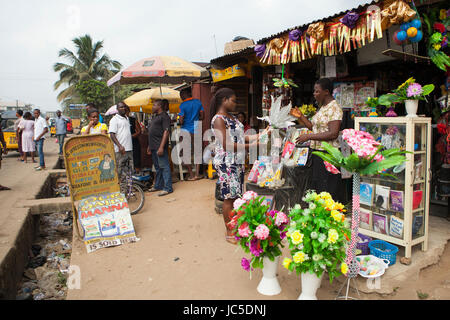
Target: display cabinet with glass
[(396, 209)]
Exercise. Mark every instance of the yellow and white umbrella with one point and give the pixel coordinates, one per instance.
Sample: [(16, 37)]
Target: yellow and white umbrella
[(142, 101)]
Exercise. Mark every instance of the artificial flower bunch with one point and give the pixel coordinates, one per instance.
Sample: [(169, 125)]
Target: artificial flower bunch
[(367, 158), (438, 38), (308, 110), (408, 90), (317, 236), (258, 230)]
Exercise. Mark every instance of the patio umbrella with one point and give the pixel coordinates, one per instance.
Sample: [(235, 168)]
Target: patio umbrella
[(143, 100), (162, 69), (112, 111)]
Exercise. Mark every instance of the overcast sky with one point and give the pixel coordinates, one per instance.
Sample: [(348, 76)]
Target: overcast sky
[(32, 32)]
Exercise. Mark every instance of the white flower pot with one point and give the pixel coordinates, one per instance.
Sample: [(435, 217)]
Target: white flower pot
[(269, 285), (411, 107), (310, 284)]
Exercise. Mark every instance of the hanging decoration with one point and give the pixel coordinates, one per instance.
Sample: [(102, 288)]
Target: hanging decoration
[(259, 50), (351, 31), (398, 12), (438, 37)]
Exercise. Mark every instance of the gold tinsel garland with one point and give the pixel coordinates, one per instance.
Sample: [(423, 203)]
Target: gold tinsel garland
[(334, 38)]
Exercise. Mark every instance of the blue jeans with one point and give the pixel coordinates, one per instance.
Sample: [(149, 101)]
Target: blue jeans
[(61, 138), (163, 179), (40, 149)]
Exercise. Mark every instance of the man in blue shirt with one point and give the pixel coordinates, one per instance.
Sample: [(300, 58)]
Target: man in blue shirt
[(191, 112), (61, 129)]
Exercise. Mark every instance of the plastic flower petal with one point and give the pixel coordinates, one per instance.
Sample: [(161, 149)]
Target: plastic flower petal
[(238, 203), (332, 236), (344, 268), (414, 90), (245, 263), (297, 237), (331, 168), (299, 257), (287, 262), (249, 195), (262, 232)]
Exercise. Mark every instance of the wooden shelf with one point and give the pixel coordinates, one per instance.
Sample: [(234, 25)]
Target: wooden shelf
[(406, 56)]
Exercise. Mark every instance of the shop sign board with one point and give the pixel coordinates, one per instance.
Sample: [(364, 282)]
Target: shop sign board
[(228, 73)]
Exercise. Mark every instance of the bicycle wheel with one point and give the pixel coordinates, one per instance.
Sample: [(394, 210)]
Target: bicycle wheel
[(135, 197)]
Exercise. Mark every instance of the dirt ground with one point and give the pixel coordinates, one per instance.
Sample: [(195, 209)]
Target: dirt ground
[(183, 254)]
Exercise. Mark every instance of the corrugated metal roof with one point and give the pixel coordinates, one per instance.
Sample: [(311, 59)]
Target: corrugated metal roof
[(304, 26), (234, 54)]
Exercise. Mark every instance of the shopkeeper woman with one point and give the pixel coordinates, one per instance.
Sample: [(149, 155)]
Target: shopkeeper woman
[(228, 162), (325, 126)]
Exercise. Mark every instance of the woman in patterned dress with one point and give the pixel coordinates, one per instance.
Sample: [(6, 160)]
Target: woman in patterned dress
[(325, 126), (230, 147)]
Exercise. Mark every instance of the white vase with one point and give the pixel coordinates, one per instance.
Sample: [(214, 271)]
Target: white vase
[(411, 107), (269, 285), (310, 284)]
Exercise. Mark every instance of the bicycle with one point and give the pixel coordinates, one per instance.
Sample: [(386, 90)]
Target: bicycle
[(133, 193)]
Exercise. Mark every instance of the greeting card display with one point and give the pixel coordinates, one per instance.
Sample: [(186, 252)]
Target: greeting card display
[(288, 150), (380, 223), (417, 199), (417, 224), (365, 221), (396, 227), (382, 197), (397, 200), (366, 193)]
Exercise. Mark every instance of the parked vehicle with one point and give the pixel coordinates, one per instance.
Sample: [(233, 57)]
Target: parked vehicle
[(7, 122)]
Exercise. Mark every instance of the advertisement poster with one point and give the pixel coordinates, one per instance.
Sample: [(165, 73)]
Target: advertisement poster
[(106, 221), (354, 95), (90, 166)]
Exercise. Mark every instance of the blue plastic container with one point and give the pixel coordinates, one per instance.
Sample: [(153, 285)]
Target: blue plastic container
[(383, 250)]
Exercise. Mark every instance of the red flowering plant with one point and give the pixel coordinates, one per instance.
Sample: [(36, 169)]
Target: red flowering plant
[(259, 231)]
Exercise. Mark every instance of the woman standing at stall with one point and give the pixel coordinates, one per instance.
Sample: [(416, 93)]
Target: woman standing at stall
[(229, 158), (325, 125)]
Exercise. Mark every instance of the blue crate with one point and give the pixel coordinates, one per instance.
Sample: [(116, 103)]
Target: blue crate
[(383, 250)]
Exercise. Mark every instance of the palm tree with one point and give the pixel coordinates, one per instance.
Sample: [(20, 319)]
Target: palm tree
[(87, 63)]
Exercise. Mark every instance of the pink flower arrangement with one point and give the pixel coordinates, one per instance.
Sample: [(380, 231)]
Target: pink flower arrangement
[(244, 230), (362, 143), (262, 232), (281, 219), (414, 90), (249, 195), (258, 230)]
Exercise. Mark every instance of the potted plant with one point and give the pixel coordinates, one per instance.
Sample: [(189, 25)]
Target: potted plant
[(317, 236), (260, 232), (368, 158), (410, 93)]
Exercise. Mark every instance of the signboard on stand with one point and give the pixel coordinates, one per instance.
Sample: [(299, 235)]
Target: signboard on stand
[(101, 209)]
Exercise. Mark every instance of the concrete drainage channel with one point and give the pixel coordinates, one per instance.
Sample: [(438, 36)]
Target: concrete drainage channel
[(37, 264), (45, 275)]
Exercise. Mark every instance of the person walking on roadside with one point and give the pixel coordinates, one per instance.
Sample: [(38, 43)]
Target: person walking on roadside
[(19, 115), (191, 112), (94, 126), (2, 150), (40, 130), (158, 140), (61, 129), (27, 131), (120, 133)]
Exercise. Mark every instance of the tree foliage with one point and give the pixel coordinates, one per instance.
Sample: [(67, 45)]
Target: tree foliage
[(94, 91)]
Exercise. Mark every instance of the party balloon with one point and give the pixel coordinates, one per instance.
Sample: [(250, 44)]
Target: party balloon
[(395, 38), (418, 37), (401, 35), (416, 23), (404, 27), (412, 32)]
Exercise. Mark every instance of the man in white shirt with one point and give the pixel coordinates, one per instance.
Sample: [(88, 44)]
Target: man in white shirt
[(120, 133), (40, 129)]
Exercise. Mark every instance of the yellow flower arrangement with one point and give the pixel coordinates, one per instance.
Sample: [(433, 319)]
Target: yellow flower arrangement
[(329, 204), (336, 215), (297, 237), (344, 268), (333, 236), (442, 14), (287, 262), (299, 257), (325, 195), (437, 46), (308, 110)]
